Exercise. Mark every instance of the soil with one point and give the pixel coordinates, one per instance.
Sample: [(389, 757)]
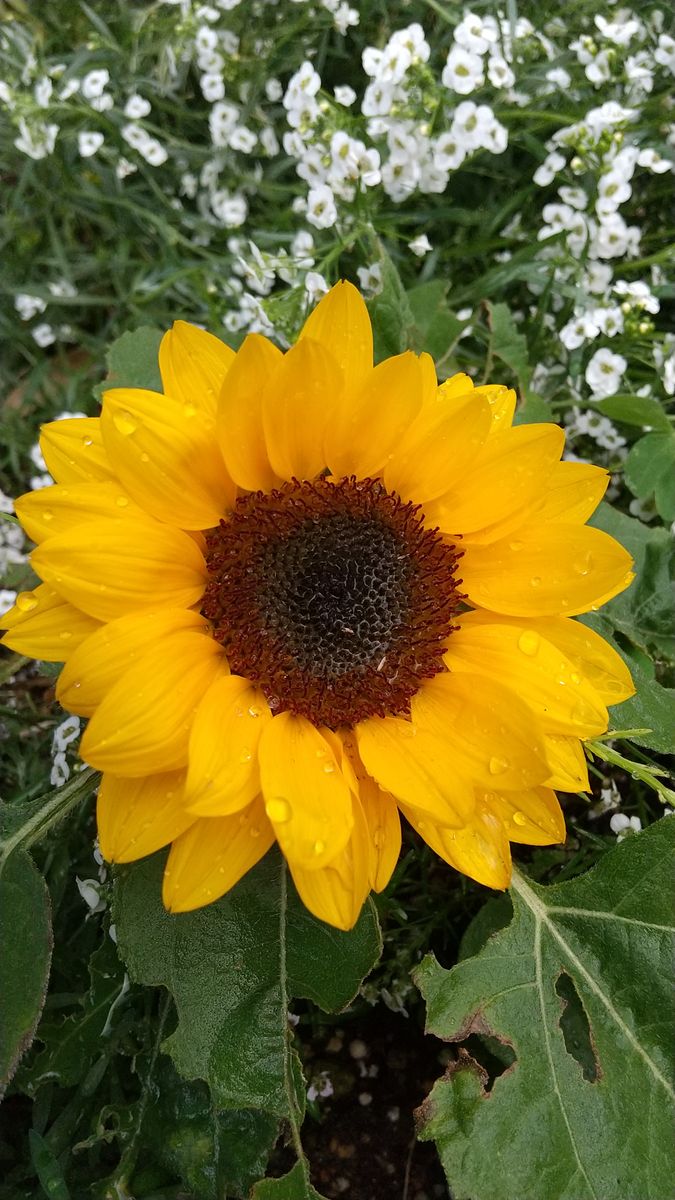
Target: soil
[(362, 1144)]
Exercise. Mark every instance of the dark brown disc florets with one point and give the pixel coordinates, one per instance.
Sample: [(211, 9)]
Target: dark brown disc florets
[(332, 597)]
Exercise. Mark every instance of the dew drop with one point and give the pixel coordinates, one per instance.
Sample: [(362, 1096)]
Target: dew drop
[(583, 565), (87, 441), (279, 811), (26, 602), (329, 768), (319, 847), (575, 678), (535, 580), (190, 410), (145, 458), (246, 755), (516, 545), (497, 766), (77, 685), (519, 818), (122, 502), (378, 838), (254, 711), (65, 635), (528, 642), (124, 422), (48, 515), (254, 831)]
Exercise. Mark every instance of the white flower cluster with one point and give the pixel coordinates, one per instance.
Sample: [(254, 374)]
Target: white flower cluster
[(64, 735), (12, 550)]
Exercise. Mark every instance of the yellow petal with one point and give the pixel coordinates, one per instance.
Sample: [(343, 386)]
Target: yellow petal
[(143, 724), (135, 817), (52, 510), (574, 491), (548, 683), (382, 819), (341, 323), (547, 568), (502, 406), (240, 414), (193, 365), (97, 664), (365, 428), (73, 450), (480, 849), (532, 817), (493, 737), (299, 402), (213, 855), (510, 471), (438, 449), (307, 798), (417, 766), (594, 658), (43, 625), (112, 567), (336, 893), (166, 455), (223, 774), (567, 764)]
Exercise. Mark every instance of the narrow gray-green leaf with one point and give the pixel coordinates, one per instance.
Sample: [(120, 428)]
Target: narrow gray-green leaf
[(25, 956), (578, 987)]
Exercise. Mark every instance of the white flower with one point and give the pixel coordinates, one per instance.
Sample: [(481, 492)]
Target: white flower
[(598, 277), (605, 372), (599, 69), (43, 91), (344, 16), (613, 190), (499, 72), (153, 152), (463, 71), (302, 247), (88, 142), (273, 90), (378, 99), (213, 87), (621, 825), (94, 83), (638, 68), (7, 600), (137, 106), (370, 278), (62, 288), (66, 732), (269, 141), (123, 167), (231, 210), (580, 329), (44, 335), (560, 78), (222, 120), (618, 32), (60, 771), (344, 95), (102, 103), (321, 210), (420, 245), (205, 38), (305, 82), (449, 154), (242, 139), (575, 196), (639, 293), (664, 54), (70, 87), (37, 140), (315, 286), (547, 171), (476, 33), (608, 319), (614, 238), (27, 306), (651, 159)]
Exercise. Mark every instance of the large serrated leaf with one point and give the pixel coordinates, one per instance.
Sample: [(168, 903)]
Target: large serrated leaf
[(232, 969), (132, 361), (585, 1111), (25, 956)]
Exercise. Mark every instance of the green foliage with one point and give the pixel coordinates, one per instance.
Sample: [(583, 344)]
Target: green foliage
[(293, 1186), (25, 954), (578, 986), (132, 361), (650, 471)]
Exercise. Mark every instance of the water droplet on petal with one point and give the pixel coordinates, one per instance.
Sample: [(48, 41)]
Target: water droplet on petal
[(122, 502), (145, 458), (319, 847), (65, 635), (535, 580), (48, 515), (497, 765), (26, 602), (190, 410), (528, 642), (254, 711), (246, 755), (87, 441), (124, 422), (519, 818), (279, 811), (575, 678), (329, 768), (378, 838), (254, 831), (516, 545), (583, 565)]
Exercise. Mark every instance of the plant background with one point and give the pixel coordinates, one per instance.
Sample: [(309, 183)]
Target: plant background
[(498, 182)]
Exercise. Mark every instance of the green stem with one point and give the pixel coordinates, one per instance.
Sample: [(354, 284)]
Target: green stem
[(641, 771), (51, 809), (293, 1113)]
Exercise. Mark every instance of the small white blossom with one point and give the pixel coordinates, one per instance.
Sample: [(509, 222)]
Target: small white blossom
[(370, 278), (344, 95), (420, 245), (94, 83), (44, 335), (28, 306), (605, 372), (88, 142), (463, 71), (213, 87), (136, 107), (321, 210)]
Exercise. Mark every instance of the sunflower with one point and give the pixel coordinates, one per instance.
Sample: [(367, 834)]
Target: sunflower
[(298, 594)]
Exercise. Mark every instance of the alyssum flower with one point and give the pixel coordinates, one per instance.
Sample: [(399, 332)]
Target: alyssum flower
[(297, 593)]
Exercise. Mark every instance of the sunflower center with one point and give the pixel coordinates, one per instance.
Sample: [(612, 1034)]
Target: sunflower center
[(332, 597)]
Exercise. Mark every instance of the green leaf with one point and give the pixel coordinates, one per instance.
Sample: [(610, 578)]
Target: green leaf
[(577, 986), (232, 969), (25, 956), (132, 361), (534, 409), (508, 343), (71, 1044), (47, 1168), (436, 328), (293, 1186), (390, 313), (650, 470), (22, 824), (635, 410)]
